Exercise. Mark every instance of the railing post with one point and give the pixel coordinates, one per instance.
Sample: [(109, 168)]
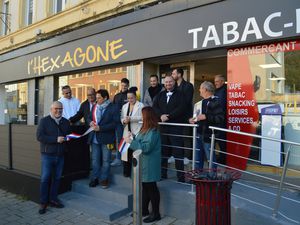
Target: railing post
[(10, 155), (137, 187), (194, 152), (212, 148), (278, 197)]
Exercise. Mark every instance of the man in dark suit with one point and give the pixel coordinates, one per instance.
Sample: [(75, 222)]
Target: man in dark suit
[(169, 107), (103, 119), (187, 89), (51, 134), (85, 108)]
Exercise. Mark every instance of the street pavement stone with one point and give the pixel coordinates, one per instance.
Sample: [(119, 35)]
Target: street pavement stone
[(15, 210)]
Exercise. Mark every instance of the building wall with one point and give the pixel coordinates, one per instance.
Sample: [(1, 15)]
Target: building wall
[(45, 24)]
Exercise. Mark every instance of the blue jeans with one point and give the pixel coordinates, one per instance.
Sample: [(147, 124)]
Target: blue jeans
[(100, 161), (52, 168), (203, 148)]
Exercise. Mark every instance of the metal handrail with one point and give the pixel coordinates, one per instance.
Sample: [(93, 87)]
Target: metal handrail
[(178, 124), (283, 175), (254, 135), (280, 182)]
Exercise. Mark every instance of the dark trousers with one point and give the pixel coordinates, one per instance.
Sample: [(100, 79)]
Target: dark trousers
[(176, 151), (222, 144), (127, 165), (150, 194)]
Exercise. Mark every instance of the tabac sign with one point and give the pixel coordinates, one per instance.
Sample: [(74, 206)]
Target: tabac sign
[(107, 51), (233, 31)]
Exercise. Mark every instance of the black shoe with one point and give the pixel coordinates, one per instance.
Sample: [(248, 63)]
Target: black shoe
[(42, 209), (56, 204), (152, 218), (94, 183)]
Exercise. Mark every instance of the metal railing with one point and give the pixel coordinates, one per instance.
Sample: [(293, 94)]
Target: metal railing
[(284, 168), (281, 182)]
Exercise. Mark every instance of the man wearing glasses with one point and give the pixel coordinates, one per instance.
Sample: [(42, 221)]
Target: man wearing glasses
[(71, 104), (51, 133)]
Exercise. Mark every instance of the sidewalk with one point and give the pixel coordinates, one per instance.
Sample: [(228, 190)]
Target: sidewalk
[(15, 210)]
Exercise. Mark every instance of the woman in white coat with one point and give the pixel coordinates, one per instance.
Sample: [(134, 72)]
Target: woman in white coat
[(131, 115)]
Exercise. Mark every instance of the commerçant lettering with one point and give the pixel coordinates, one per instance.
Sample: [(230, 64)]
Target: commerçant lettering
[(263, 49), (232, 35), (111, 51)]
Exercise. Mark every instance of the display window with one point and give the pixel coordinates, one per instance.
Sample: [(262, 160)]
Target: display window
[(109, 79), (263, 97), (16, 100)]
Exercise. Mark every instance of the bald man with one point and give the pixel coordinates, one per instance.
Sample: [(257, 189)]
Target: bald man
[(51, 133)]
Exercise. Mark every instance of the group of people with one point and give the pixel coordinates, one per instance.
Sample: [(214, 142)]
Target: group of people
[(121, 118)]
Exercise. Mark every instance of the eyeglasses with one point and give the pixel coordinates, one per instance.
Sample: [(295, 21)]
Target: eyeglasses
[(91, 95), (67, 93), (58, 109)]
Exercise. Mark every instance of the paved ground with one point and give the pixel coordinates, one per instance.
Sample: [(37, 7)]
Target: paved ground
[(15, 210)]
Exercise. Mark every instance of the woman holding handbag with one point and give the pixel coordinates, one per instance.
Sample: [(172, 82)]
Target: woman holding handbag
[(131, 115)]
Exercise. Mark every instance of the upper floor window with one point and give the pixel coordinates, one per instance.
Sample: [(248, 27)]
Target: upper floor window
[(5, 17), (59, 5), (29, 12)]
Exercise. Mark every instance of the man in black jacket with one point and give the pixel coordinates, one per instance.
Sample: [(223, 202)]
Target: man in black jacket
[(187, 89), (211, 114), (169, 107), (85, 108), (51, 134)]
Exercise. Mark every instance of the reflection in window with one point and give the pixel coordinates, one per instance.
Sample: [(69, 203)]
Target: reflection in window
[(16, 99), (109, 79)]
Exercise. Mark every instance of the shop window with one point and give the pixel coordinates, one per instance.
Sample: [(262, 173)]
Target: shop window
[(264, 98), (101, 80), (102, 71), (80, 94), (16, 99), (113, 70), (40, 99)]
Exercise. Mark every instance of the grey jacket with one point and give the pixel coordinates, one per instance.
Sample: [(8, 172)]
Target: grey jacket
[(147, 98)]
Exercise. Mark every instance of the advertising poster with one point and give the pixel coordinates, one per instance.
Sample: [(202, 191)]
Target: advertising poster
[(242, 109)]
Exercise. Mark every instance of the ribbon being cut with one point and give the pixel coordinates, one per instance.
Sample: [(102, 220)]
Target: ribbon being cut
[(123, 149), (75, 136)]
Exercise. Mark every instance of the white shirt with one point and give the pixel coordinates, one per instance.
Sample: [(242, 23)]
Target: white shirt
[(71, 106)]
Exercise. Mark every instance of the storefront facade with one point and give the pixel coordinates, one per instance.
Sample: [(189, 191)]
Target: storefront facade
[(255, 46)]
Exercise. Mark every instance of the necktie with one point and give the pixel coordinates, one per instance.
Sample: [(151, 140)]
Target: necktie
[(169, 94)]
